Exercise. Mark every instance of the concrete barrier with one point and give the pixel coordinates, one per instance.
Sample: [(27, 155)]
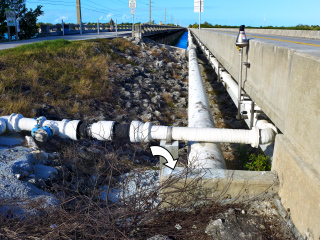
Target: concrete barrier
[(278, 32), (285, 84)]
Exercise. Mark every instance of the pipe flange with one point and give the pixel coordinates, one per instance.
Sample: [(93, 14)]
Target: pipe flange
[(54, 131), (255, 137), (13, 122)]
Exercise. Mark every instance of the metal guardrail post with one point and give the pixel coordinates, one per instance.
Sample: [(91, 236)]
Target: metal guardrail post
[(80, 26), (98, 26), (62, 23)]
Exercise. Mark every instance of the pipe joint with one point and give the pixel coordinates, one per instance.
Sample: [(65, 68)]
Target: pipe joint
[(140, 132), (255, 137), (69, 129), (13, 122), (102, 130)]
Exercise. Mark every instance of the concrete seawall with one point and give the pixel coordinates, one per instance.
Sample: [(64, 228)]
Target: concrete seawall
[(284, 82)]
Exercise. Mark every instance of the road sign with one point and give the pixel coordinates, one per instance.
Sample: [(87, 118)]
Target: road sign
[(132, 3), (11, 22), (197, 5), (10, 13), (132, 11), (11, 17)]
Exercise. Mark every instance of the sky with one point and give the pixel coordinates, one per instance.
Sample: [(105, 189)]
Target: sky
[(228, 12)]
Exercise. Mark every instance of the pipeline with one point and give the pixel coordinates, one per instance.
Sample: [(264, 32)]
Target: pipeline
[(135, 132), (202, 153), (201, 133), (246, 106)]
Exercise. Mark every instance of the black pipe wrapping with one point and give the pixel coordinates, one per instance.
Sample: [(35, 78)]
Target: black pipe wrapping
[(121, 131)]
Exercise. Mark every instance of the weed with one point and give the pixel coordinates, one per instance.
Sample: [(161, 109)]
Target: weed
[(171, 104), (254, 161), (258, 163)]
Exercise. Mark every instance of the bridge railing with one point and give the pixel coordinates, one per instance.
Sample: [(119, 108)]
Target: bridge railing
[(144, 30), (56, 30)]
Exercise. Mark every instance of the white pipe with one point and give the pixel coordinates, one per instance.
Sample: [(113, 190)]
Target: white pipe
[(260, 134), (268, 132), (201, 155), (102, 130), (263, 133), (64, 128), (3, 126)]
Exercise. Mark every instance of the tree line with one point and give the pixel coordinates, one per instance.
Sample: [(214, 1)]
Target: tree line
[(28, 22)]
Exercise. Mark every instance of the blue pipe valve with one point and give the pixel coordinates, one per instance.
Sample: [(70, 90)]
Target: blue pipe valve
[(41, 133)]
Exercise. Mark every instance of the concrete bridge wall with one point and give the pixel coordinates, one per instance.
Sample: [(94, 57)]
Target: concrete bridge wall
[(278, 32), (285, 83), (168, 38)]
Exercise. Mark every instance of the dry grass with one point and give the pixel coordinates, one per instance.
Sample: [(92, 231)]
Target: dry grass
[(167, 98), (54, 72), (176, 76), (82, 215)]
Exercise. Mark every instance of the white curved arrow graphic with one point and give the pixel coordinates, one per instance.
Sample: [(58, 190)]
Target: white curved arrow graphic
[(161, 151)]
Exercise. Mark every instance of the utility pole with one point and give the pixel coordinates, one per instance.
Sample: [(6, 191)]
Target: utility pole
[(78, 11), (150, 13), (165, 16), (200, 17)]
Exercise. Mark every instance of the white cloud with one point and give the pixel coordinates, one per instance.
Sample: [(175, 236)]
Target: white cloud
[(125, 16), (109, 16), (62, 17), (100, 18)]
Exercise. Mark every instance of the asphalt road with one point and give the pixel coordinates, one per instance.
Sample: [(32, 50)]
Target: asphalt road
[(75, 37), (310, 46)]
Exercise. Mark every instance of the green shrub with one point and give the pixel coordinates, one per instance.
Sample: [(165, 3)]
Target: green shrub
[(258, 163)]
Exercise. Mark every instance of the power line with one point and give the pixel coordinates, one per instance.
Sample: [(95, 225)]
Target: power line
[(54, 4)]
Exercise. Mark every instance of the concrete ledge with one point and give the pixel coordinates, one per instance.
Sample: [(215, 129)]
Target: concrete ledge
[(299, 188), (278, 32), (219, 185)]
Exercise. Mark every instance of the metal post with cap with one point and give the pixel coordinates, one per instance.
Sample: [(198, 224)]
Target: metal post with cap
[(241, 42)]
